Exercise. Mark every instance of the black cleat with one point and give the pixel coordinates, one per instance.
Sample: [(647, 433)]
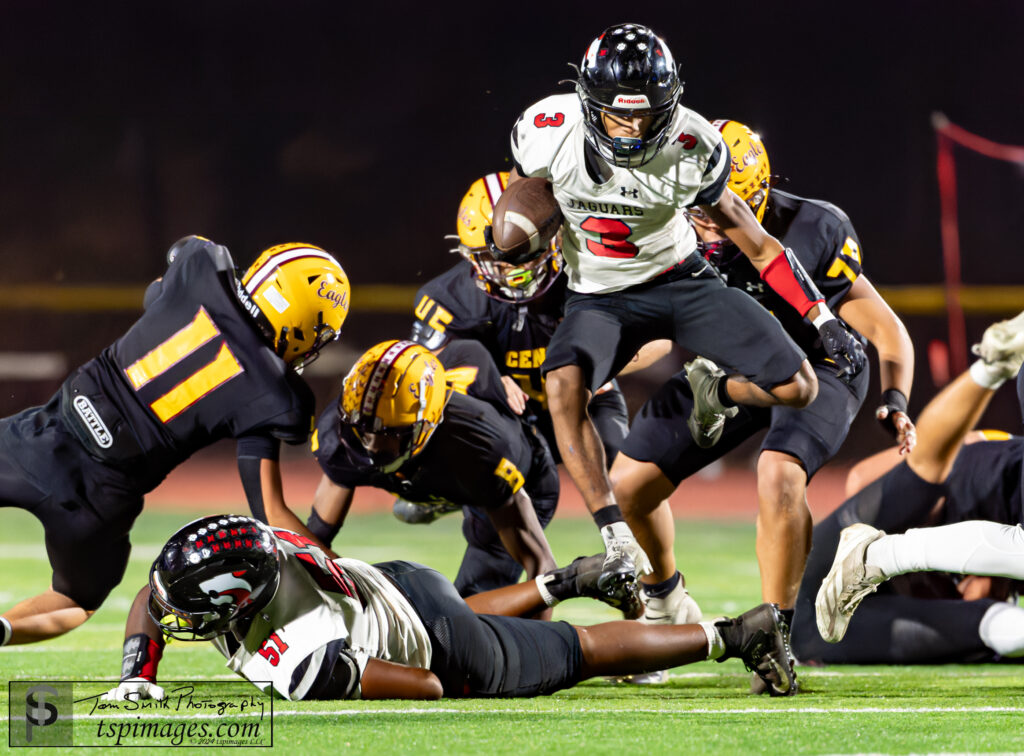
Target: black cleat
[(623, 594), (421, 513), (618, 570), (760, 638)]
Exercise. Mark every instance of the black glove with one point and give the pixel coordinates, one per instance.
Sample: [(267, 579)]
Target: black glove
[(843, 347)]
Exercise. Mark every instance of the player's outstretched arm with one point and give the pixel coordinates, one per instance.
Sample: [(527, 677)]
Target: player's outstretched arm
[(331, 503), (143, 648), (384, 679), (521, 534), (781, 270), (865, 310)]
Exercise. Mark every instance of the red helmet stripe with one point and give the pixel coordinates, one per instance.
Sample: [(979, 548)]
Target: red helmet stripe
[(494, 186)]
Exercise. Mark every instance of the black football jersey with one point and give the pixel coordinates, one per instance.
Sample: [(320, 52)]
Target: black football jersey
[(477, 457), (192, 370), (451, 306), (823, 240)]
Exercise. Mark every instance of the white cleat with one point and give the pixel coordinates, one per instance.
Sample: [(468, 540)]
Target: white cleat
[(707, 418), (848, 582), (1002, 345)]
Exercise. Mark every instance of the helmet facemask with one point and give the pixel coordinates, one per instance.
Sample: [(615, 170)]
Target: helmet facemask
[(517, 284)]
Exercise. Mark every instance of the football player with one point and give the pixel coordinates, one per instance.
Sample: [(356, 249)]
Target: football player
[(962, 505), (440, 439), (624, 157), (213, 356), (302, 626), (657, 457), (512, 311)]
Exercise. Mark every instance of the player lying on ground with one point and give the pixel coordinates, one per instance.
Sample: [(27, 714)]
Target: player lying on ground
[(282, 613), (657, 457), (624, 157), (941, 482), (440, 437), (213, 356)]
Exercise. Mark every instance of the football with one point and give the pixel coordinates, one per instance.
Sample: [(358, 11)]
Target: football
[(526, 218)]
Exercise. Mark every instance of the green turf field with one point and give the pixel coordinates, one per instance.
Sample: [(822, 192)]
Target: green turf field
[(704, 707)]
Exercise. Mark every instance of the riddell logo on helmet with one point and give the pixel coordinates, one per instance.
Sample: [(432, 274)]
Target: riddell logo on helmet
[(626, 101), (339, 298)]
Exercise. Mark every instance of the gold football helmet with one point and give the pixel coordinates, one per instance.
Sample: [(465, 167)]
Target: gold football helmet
[(750, 175), (396, 389), (509, 283), (301, 296)]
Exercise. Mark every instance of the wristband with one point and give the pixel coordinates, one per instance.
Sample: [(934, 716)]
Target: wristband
[(141, 657), (5, 631), (824, 315), (894, 398)]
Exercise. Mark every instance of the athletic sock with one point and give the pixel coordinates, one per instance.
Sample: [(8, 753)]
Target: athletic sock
[(608, 515), (723, 393), (973, 547), (1002, 629), (662, 589)]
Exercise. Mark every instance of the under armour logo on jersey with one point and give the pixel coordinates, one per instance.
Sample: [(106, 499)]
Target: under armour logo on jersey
[(627, 192), (755, 288)]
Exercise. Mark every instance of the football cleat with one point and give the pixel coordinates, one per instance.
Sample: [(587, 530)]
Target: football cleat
[(421, 512), (759, 687), (1002, 345), (677, 608), (848, 582), (759, 639), (621, 595), (707, 418)]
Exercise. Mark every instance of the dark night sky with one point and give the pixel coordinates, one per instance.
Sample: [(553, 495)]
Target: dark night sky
[(359, 127)]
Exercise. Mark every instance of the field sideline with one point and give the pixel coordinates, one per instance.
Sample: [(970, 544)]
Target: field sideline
[(703, 708)]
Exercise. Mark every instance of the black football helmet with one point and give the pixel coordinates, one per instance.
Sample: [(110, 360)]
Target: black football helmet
[(628, 71), (211, 573)]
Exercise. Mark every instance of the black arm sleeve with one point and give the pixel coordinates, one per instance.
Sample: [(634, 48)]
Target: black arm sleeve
[(252, 450)]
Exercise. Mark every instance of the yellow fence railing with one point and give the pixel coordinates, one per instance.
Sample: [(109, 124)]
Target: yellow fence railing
[(386, 298)]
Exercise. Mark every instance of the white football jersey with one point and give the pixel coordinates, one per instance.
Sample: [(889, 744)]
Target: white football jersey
[(319, 601), (630, 228)]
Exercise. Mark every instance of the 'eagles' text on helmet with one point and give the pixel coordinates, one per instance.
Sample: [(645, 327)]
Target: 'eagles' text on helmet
[(508, 283), (396, 389), (299, 296), (750, 174), (628, 72), (214, 571)]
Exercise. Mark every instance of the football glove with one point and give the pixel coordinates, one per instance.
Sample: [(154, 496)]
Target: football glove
[(842, 347), (135, 689)]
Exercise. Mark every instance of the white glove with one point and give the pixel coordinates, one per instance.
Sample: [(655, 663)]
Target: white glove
[(135, 689), (618, 537)]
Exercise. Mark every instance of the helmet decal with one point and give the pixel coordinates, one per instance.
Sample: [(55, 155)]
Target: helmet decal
[(227, 589), (271, 264)]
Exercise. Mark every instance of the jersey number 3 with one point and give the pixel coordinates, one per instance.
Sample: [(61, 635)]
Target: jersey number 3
[(170, 352), (613, 233)]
